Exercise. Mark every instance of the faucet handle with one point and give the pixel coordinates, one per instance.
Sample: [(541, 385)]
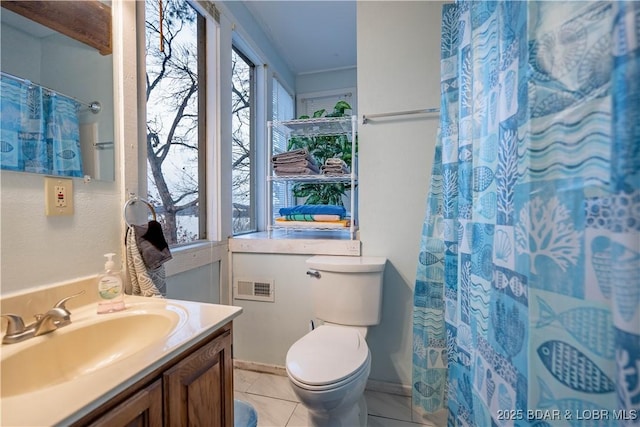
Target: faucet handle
[(53, 319), (15, 324), (63, 301)]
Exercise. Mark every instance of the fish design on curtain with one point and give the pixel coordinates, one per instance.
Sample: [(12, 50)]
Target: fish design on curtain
[(39, 130), (529, 271), (63, 134)]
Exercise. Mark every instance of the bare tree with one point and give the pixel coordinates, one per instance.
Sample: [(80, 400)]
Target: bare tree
[(172, 119), (172, 110), (241, 149)]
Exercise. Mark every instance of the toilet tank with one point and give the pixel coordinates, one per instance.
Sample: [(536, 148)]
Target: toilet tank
[(347, 290)]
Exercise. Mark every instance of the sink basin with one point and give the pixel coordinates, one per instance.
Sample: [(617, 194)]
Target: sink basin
[(81, 348)]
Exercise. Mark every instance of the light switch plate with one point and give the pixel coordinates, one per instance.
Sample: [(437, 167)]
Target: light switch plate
[(58, 195)]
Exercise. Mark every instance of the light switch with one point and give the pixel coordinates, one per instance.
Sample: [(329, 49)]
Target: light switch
[(58, 194)]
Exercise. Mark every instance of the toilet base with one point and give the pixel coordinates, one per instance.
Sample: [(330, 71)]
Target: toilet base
[(356, 415)]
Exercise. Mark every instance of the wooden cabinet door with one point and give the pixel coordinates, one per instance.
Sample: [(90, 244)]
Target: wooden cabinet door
[(198, 391), (143, 409)]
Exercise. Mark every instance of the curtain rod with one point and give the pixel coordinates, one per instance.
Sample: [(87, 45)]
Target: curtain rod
[(94, 106), (366, 118)]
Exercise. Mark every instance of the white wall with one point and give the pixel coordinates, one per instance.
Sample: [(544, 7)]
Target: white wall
[(398, 70), (326, 80), (21, 54), (200, 284), (266, 330)]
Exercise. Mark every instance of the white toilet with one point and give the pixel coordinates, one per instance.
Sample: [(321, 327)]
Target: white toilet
[(328, 367)]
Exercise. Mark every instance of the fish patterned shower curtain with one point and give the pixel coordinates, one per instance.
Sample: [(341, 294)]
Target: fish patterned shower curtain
[(527, 295), (39, 130), (63, 134)]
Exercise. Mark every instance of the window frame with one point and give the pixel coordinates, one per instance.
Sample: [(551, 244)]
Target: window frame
[(253, 143), (213, 247)]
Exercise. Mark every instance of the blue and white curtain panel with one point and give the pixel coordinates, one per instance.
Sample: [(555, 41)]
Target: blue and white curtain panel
[(527, 294), (39, 130)]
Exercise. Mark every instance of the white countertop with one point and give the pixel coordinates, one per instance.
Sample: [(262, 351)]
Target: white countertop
[(295, 242), (65, 402)]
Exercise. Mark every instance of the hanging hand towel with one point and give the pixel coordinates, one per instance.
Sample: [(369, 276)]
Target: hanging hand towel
[(152, 245), (143, 281)]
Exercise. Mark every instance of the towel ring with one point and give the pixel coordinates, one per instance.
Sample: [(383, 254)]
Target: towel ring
[(133, 199)]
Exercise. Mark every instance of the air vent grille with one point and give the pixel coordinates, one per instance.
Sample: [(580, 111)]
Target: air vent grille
[(254, 289)]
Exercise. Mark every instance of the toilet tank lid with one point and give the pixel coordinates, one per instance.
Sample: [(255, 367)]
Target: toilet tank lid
[(347, 264)]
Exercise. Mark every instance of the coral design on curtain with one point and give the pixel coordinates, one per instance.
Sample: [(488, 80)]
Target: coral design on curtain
[(39, 130), (527, 297)]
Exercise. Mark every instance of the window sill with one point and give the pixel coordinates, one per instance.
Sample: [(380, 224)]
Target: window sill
[(195, 255), (296, 243)]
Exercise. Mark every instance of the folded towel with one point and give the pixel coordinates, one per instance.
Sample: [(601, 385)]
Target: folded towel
[(309, 217), (142, 281), (293, 160), (314, 224), (335, 161), (296, 163), (335, 171), (300, 167), (314, 209), (295, 171), (335, 166), (301, 153), (152, 245)]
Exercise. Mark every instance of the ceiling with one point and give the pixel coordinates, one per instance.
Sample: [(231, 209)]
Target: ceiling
[(310, 35)]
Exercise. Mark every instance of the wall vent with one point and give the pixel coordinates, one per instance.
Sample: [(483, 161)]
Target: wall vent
[(254, 289)]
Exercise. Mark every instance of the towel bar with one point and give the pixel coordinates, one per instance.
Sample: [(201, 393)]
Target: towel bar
[(133, 199), (366, 118)]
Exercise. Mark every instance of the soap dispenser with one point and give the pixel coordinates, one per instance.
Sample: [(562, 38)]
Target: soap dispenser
[(110, 289)]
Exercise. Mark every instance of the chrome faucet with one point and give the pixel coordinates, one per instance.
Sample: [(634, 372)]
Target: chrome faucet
[(55, 318)]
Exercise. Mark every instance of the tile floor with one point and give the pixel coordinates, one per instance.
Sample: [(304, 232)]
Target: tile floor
[(278, 406)]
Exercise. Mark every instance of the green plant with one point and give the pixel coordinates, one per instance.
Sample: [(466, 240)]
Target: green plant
[(322, 148)]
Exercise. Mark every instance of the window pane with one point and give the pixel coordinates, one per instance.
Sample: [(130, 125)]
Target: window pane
[(242, 151), (173, 147), (282, 110)]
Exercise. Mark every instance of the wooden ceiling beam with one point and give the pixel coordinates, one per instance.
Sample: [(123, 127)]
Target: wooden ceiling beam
[(87, 21)]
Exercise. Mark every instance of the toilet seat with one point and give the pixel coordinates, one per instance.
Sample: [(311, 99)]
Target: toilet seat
[(345, 382), (327, 357)]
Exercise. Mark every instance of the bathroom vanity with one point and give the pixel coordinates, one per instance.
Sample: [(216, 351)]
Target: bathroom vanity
[(159, 362), (195, 388)]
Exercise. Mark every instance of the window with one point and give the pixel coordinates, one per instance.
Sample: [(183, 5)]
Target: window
[(243, 140), (282, 110), (175, 77)]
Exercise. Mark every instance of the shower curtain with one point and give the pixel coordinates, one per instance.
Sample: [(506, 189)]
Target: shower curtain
[(527, 294), (39, 130), (63, 134)]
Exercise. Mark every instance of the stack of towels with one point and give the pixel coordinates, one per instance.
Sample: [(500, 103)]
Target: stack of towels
[(295, 162), (314, 216), (335, 166)]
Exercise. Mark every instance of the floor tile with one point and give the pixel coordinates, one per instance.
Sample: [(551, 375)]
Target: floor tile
[(243, 379), (275, 386), (299, 417), (438, 419), (388, 405), (271, 412), (373, 421)]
